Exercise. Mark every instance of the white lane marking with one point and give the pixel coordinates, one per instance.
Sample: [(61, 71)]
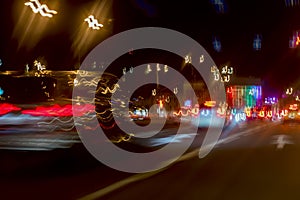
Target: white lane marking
[(39, 140), (238, 135), (25, 148), (106, 190), (252, 131), (170, 139), (281, 141), (231, 139)]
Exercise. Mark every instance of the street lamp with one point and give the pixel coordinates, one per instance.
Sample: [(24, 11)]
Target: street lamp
[(93, 23), (289, 91), (224, 75), (43, 9)]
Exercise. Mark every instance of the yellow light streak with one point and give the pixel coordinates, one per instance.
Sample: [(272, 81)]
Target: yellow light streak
[(116, 86)]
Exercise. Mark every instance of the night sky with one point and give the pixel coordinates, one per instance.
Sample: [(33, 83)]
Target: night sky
[(26, 36)]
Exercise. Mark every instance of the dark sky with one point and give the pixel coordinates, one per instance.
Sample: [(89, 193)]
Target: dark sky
[(276, 63)]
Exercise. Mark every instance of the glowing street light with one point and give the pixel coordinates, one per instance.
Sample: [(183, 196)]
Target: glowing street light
[(39, 65), (188, 59), (166, 69), (154, 92), (297, 41), (157, 67), (43, 9), (210, 103), (175, 90), (148, 70), (93, 23), (289, 91), (201, 58)]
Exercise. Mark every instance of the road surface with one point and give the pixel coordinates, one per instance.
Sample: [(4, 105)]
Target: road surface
[(253, 160)]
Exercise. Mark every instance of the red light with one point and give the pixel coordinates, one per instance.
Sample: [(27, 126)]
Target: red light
[(7, 108), (61, 111), (229, 90), (293, 107)]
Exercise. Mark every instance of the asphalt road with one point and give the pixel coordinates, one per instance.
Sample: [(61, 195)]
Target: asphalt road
[(255, 160), (260, 164)]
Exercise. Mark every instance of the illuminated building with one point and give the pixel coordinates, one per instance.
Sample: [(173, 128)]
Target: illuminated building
[(244, 92)]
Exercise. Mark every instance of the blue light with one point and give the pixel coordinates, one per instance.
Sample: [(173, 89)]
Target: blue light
[(1, 91), (257, 42), (271, 100), (292, 42), (219, 5), (217, 44), (188, 103)]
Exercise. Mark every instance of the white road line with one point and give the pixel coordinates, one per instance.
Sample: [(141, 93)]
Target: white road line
[(230, 139), (26, 148), (281, 141)]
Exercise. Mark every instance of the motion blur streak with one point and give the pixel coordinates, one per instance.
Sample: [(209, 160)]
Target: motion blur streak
[(60, 111), (7, 108), (83, 81)]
